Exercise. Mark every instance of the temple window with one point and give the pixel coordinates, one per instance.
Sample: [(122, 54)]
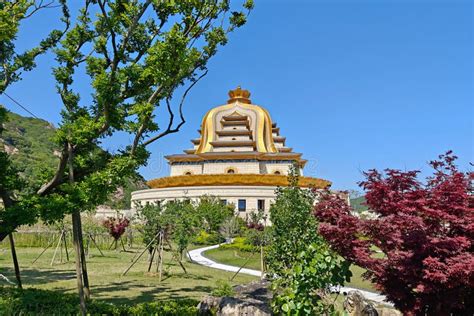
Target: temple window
[(242, 205), (261, 205), (277, 172), (188, 173), (231, 171)]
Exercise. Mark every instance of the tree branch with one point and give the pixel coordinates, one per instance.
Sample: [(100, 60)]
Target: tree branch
[(171, 130)]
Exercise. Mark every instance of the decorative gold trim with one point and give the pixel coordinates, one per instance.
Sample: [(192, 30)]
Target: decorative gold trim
[(234, 179)]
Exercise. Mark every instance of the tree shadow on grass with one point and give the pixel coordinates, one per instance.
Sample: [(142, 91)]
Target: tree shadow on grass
[(35, 276)]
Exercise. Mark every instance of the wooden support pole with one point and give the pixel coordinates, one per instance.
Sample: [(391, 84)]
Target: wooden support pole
[(141, 254), (242, 266), (95, 243), (56, 249), (44, 250), (160, 264)]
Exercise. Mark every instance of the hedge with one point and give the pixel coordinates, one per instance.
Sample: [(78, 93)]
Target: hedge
[(15, 301)]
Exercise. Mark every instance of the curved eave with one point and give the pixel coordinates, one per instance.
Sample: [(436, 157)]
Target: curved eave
[(235, 179)]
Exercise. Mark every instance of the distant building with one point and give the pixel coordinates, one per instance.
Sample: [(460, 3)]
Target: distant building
[(239, 156)]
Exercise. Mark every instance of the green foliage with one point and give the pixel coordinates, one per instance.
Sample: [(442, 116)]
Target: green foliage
[(223, 288), (205, 238), (293, 226), (303, 288), (15, 301), (240, 243), (136, 55), (30, 140), (12, 14), (213, 212), (301, 264)]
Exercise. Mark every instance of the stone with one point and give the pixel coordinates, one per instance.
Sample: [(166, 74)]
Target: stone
[(250, 300), (356, 305)]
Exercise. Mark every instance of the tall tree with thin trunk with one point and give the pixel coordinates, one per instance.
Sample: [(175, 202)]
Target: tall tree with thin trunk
[(141, 57)]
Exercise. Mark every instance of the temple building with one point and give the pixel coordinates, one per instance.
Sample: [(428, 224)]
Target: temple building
[(239, 157)]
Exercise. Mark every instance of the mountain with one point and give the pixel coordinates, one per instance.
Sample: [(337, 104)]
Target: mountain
[(29, 143), (358, 204)]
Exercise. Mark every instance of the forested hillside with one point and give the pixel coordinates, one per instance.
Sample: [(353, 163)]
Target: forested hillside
[(29, 143)]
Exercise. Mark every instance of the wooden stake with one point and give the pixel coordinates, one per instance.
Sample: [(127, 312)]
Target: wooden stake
[(141, 254), (44, 249), (160, 264), (95, 243), (57, 247), (241, 267)]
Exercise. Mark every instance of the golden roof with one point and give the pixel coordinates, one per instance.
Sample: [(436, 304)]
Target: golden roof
[(239, 111)]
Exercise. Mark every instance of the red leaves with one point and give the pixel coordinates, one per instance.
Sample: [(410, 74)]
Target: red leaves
[(116, 226), (424, 232)]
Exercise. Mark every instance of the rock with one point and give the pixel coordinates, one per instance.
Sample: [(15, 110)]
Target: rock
[(250, 299), (356, 305)]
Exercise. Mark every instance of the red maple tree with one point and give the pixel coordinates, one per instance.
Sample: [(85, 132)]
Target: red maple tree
[(418, 250)]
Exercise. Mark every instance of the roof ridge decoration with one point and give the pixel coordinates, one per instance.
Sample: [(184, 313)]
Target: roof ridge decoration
[(239, 95)]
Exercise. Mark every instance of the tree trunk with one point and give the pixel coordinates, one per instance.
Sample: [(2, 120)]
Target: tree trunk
[(76, 233), (77, 252), (15, 260)]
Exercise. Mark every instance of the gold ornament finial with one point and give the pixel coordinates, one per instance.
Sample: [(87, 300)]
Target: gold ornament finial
[(239, 95)]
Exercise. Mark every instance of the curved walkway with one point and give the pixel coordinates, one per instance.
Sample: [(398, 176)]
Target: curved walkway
[(197, 256)]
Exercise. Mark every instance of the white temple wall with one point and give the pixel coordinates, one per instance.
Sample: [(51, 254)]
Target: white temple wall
[(240, 167), (251, 195), (179, 170)]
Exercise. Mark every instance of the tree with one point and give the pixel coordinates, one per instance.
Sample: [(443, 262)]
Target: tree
[(423, 231), (213, 212), (137, 55), (301, 264)]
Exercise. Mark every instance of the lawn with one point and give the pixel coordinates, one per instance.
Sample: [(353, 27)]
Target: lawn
[(105, 276), (238, 258)]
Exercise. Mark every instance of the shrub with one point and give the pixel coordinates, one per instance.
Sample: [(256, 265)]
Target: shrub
[(204, 238), (425, 231), (222, 289), (240, 243), (15, 301)]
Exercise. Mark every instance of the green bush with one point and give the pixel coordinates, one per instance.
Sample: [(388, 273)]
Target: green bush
[(239, 243), (204, 238), (223, 288), (15, 301)]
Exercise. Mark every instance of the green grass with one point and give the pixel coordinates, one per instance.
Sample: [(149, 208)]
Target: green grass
[(238, 258), (105, 276)]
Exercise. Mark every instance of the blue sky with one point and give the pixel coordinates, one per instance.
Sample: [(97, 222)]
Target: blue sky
[(353, 85)]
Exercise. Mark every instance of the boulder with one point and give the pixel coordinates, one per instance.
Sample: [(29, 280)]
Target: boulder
[(250, 299), (356, 304)]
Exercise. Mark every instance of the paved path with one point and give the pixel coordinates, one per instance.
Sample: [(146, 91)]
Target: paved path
[(196, 255)]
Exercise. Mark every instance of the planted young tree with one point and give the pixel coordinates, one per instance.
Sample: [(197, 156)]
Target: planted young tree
[(258, 234), (137, 55), (116, 228), (301, 265), (213, 212), (419, 248)]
